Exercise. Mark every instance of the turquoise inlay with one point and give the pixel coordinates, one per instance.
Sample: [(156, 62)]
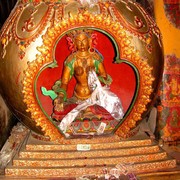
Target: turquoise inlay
[(50, 93), (107, 81), (96, 64), (71, 66), (53, 64)]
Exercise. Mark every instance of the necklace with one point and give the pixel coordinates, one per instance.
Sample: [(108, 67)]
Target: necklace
[(83, 54), (83, 61)]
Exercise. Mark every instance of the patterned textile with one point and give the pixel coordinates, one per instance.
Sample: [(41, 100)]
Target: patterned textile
[(169, 120), (172, 9)]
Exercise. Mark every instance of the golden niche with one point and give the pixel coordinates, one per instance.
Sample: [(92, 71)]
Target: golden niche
[(36, 49)]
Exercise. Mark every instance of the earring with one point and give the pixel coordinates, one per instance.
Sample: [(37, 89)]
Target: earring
[(91, 50)]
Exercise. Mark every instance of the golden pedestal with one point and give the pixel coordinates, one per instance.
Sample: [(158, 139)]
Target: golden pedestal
[(45, 159)]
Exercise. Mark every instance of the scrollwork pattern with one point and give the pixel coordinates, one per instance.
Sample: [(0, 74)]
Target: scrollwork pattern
[(128, 52)]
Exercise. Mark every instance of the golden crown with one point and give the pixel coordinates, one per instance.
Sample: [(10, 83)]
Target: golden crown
[(74, 33)]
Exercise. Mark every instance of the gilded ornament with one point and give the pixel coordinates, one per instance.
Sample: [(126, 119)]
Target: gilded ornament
[(43, 35)]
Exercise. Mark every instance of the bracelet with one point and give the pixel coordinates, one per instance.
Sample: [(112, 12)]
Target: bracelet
[(107, 81), (62, 91)]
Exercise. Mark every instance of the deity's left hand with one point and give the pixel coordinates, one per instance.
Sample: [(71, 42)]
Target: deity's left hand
[(58, 104)]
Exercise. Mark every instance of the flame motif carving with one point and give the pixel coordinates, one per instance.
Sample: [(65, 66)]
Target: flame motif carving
[(127, 51)]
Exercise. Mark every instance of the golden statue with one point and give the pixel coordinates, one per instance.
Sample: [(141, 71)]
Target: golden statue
[(81, 62), (86, 65)]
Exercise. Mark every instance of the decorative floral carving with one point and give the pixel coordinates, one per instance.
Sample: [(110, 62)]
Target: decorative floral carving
[(143, 25), (128, 53), (34, 32)]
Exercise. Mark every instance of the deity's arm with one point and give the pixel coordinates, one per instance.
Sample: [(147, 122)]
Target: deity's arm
[(61, 91), (66, 76), (100, 70)]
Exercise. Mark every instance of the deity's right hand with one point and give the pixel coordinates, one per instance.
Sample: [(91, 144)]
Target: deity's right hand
[(59, 104)]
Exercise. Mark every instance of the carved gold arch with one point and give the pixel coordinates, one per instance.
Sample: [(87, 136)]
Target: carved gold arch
[(127, 51)]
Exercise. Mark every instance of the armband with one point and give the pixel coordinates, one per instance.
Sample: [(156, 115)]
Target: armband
[(62, 91)]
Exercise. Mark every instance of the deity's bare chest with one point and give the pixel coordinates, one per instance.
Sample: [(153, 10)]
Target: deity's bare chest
[(83, 65)]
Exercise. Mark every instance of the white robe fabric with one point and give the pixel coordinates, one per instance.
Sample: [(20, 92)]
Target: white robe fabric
[(102, 96)]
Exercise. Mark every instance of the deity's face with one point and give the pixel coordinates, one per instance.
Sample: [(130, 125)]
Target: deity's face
[(82, 42)]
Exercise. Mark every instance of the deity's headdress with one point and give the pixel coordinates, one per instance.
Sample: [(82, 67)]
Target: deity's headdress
[(74, 33)]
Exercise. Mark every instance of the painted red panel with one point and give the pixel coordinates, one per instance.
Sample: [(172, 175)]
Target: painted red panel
[(124, 79)]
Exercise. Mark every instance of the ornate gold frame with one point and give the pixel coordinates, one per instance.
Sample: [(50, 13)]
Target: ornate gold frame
[(127, 51)]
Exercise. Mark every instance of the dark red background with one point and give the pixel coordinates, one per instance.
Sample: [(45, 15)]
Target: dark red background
[(124, 79)]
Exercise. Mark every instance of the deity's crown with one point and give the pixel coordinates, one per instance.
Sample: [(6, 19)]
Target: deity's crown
[(74, 33)]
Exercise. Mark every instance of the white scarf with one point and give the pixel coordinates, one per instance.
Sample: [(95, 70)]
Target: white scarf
[(101, 96)]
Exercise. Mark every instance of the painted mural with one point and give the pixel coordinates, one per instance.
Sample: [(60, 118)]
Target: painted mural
[(172, 11), (169, 121)]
